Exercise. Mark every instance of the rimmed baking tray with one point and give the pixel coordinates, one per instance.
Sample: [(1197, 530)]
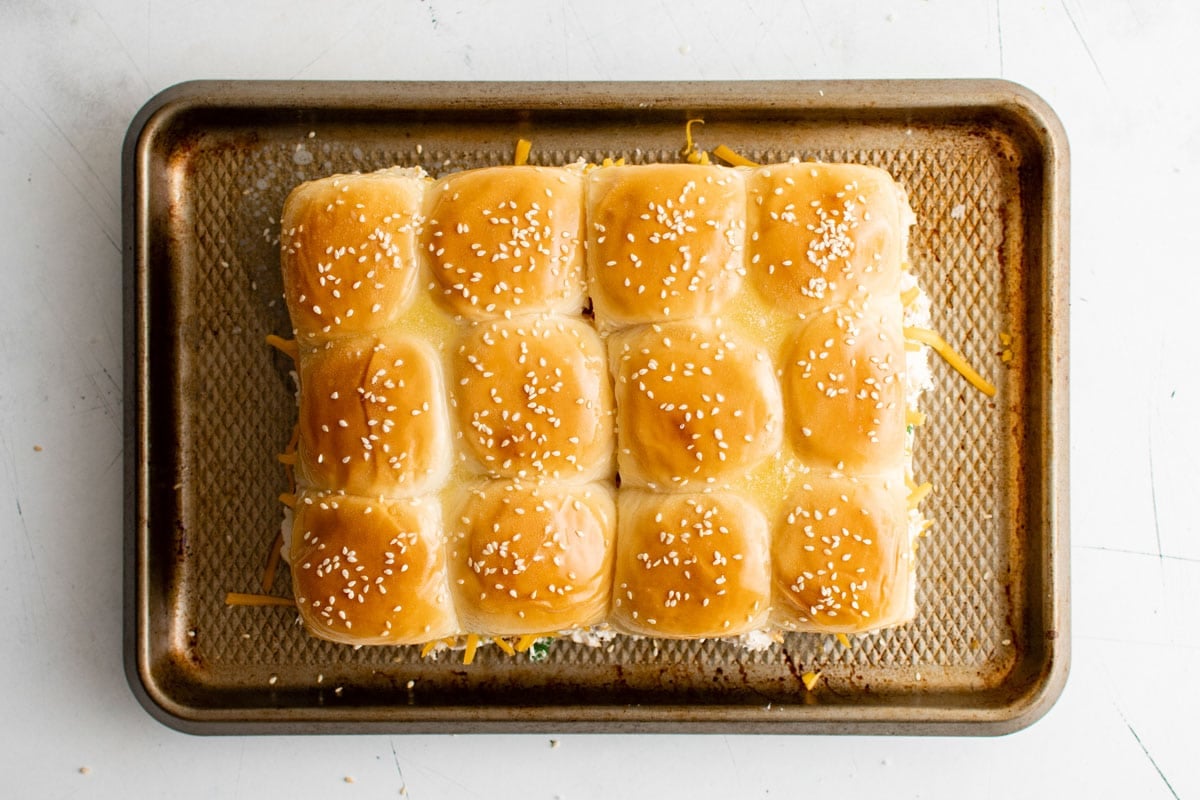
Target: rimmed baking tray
[(206, 168)]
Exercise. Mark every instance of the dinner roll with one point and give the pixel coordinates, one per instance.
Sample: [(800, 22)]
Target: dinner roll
[(665, 241), (507, 240), (843, 377), (348, 251), (823, 234), (841, 555), (690, 566), (373, 418), (533, 558), (696, 405), (533, 398), (368, 572)]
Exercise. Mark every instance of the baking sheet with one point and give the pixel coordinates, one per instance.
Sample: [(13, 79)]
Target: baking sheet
[(207, 166)]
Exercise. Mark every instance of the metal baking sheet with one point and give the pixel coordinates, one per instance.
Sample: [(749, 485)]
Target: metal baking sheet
[(207, 167)]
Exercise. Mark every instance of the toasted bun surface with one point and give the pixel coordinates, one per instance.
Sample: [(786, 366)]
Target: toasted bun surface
[(665, 241), (749, 385), (533, 398), (823, 234), (841, 556), (507, 240), (843, 378), (690, 565), (696, 405), (366, 572), (373, 418), (533, 558), (348, 251)]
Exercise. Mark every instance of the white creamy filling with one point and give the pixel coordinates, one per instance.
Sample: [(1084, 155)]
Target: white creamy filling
[(595, 636)]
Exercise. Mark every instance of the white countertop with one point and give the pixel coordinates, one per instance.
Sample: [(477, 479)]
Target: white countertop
[(1121, 76)]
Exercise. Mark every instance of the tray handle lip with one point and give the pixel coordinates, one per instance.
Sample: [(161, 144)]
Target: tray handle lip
[(1028, 110), (1020, 104), (883, 95), (616, 720), (150, 121), (134, 655)]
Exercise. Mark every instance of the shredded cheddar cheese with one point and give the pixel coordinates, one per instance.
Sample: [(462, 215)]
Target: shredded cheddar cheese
[(272, 562), (428, 648), (288, 499), (289, 458), (951, 357), (521, 157), (528, 640), (844, 639), (918, 494), (732, 158), (809, 679), (504, 645), (472, 646), (689, 151), (244, 599), (289, 347), (909, 295), (914, 417)]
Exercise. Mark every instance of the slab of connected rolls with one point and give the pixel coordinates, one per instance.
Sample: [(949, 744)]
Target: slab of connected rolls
[(480, 357)]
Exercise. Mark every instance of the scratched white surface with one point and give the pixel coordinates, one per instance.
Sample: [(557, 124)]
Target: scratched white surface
[(1123, 77)]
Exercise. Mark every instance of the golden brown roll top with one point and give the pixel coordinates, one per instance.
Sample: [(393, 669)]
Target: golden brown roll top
[(533, 558), (690, 566), (696, 405), (762, 483), (373, 417), (665, 241), (841, 555), (368, 572), (843, 378), (507, 240), (348, 251), (824, 234), (533, 399)]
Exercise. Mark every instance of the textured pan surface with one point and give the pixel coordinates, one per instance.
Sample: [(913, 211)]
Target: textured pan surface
[(208, 166)]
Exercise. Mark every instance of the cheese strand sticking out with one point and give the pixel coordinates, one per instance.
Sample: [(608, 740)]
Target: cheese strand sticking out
[(289, 347), (472, 646), (951, 357), (243, 599), (521, 157), (918, 494), (272, 562), (690, 152), (727, 155)]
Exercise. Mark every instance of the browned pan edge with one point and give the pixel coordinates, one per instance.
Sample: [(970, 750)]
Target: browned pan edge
[(149, 434)]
